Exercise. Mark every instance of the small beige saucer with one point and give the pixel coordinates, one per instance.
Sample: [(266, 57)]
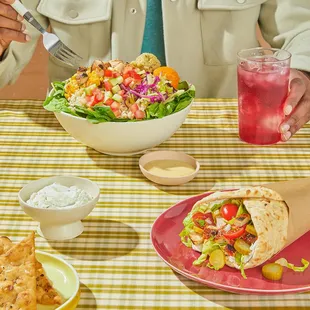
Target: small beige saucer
[(168, 155)]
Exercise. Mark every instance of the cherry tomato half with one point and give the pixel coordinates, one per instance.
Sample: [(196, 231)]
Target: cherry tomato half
[(229, 210), (201, 219), (235, 233)]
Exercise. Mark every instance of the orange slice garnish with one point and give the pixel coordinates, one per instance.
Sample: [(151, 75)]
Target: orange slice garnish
[(170, 75)]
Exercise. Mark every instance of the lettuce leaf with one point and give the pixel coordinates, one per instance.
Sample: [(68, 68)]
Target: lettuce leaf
[(283, 262), (180, 101), (207, 248), (239, 261), (217, 206), (184, 234), (56, 102), (241, 210)]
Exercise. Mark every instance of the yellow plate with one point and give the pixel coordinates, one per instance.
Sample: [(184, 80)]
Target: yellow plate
[(64, 278)]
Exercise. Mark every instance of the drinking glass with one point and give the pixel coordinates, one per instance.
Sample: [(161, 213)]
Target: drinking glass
[(263, 83)]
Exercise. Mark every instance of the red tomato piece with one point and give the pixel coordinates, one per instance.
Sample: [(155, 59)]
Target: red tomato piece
[(201, 219), (229, 210), (133, 74), (108, 73), (107, 85), (127, 81), (134, 108), (115, 106), (109, 101), (127, 69), (139, 114), (115, 74), (98, 95), (235, 233), (117, 113), (95, 91), (121, 92), (91, 100)]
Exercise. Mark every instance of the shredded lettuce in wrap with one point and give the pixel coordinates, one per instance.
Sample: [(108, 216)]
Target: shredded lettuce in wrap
[(188, 224), (241, 209), (239, 261), (207, 248), (184, 234)]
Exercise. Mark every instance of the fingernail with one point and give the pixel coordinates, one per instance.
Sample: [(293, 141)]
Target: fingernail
[(284, 128), (287, 135), (28, 37), (19, 18), (23, 27), (288, 109)]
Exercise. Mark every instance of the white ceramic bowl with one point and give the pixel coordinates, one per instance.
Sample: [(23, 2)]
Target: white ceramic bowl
[(117, 138), (59, 224)]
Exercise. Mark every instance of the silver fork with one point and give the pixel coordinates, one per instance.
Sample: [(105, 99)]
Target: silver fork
[(50, 41)]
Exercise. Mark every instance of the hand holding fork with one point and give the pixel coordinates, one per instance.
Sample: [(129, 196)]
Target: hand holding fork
[(12, 12)]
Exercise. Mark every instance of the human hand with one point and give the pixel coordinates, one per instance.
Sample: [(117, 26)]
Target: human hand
[(11, 27), (297, 105)]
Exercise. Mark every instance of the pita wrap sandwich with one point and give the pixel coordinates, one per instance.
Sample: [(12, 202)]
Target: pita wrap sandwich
[(242, 228)]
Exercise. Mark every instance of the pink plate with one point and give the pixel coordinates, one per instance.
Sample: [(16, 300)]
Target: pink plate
[(167, 244)]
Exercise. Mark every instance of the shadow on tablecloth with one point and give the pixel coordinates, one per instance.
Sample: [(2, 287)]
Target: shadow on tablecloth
[(101, 240), (128, 166), (87, 294), (208, 293)]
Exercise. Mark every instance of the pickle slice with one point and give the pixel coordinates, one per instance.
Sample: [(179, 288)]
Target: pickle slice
[(242, 247), (251, 229), (272, 271), (217, 259)]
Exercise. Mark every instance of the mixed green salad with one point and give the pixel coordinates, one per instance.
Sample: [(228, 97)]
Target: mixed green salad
[(117, 91)]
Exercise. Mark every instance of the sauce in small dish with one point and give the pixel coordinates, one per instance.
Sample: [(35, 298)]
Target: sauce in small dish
[(169, 167)]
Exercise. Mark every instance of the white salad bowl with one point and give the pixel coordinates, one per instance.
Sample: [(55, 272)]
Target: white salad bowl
[(123, 138), (59, 224)]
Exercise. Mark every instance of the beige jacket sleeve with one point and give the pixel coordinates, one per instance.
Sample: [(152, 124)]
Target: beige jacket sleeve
[(18, 55), (286, 24)]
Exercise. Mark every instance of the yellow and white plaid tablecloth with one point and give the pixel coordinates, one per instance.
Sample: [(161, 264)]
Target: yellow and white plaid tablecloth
[(114, 257)]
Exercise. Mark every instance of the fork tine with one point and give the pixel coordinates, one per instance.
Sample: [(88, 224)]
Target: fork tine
[(63, 57), (63, 51), (62, 54), (68, 50), (60, 58)]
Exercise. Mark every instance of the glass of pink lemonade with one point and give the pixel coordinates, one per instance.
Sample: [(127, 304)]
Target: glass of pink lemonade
[(263, 84)]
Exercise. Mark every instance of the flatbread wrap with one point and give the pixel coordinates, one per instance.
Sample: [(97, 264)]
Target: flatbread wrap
[(246, 226)]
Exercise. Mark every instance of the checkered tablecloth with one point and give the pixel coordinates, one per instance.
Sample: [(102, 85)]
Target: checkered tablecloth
[(117, 265)]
